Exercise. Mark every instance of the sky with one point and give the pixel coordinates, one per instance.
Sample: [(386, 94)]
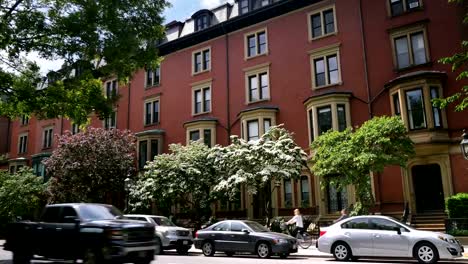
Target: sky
[(180, 10)]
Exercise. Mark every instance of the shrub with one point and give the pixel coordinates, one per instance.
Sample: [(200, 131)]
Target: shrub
[(457, 206)]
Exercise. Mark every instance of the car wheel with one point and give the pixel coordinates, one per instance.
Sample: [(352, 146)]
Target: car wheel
[(229, 253), (208, 249), (341, 251), (158, 249), (21, 258), (284, 255), (182, 250), (426, 253), (263, 250), (90, 257)]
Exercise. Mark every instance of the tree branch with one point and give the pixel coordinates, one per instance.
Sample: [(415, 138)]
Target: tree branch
[(12, 9)]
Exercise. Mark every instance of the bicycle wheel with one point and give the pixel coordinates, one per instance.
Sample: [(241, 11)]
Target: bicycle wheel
[(304, 240)]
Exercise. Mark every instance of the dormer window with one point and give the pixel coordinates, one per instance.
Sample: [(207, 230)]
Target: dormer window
[(202, 19), (248, 5)]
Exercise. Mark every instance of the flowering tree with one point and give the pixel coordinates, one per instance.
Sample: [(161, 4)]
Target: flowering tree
[(347, 157), (254, 164), (91, 166), (182, 177)]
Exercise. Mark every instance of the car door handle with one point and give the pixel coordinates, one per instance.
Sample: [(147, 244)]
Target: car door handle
[(58, 229), (39, 228), (212, 235), (232, 235), (377, 236)]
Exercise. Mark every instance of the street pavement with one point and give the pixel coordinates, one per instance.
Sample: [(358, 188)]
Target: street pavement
[(311, 255)]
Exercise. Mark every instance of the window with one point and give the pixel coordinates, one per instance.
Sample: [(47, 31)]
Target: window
[(288, 202), (148, 148), (75, 129), (322, 23), (225, 226), (111, 88), (398, 7), (247, 5), (152, 112), (437, 114), (359, 223), (266, 124), (24, 120), (202, 22), (201, 100), (415, 108), (203, 130), (252, 130), (153, 77), (325, 66), (305, 191), (256, 43), (207, 137), (201, 61), (237, 227), (51, 214), (327, 112), (244, 6), (68, 215), (47, 138), (258, 86), (194, 135), (410, 47), (383, 224), (396, 104), (111, 120), (23, 143)]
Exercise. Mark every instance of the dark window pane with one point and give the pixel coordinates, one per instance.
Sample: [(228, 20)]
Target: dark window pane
[(207, 100), (244, 6), (412, 4), (142, 154), (305, 191), (198, 62), (287, 193), (252, 130), (341, 117), (237, 227), (415, 105), (155, 111), (396, 104), (194, 135), (157, 76), (113, 119), (198, 102), (359, 223), (402, 52), (332, 69), (264, 93), (262, 43), (419, 50), (383, 224), (324, 116), (316, 25), (397, 7), (329, 21), (51, 215), (311, 125), (149, 77), (148, 113), (252, 46), (207, 137), (436, 111), (206, 60), (266, 124), (253, 88), (154, 148), (108, 89), (319, 72), (67, 213)]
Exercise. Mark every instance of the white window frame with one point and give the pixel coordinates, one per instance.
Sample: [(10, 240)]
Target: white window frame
[(202, 86), (323, 53), (153, 75), (257, 71), (246, 43), (201, 126), (47, 137), (113, 90), (107, 121), (321, 11), (23, 143), (407, 32), (405, 7), (204, 67), (152, 101)]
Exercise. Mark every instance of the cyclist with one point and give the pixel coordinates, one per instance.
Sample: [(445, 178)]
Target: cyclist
[(297, 219), (344, 215)]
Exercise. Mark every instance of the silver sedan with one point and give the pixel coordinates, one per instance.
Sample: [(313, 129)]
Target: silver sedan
[(381, 236)]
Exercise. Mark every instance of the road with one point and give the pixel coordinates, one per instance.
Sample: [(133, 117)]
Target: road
[(171, 257)]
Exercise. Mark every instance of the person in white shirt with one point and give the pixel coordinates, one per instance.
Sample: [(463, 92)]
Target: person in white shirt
[(297, 219)]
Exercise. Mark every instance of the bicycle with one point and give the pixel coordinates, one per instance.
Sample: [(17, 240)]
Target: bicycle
[(304, 239)]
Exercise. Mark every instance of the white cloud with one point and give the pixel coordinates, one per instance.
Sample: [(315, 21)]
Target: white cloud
[(211, 3)]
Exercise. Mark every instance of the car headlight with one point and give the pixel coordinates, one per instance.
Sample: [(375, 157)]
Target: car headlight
[(116, 234), (280, 241), (444, 238)]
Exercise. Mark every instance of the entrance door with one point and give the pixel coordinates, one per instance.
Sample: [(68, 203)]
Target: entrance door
[(260, 201), (337, 200), (427, 184)]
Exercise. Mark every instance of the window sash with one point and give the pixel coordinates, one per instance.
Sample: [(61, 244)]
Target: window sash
[(198, 62), (252, 46), (311, 125), (155, 112), (402, 52), (324, 116), (261, 39), (436, 112), (341, 113), (287, 193), (148, 113), (154, 151), (194, 135), (319, 68), (253, 131), (143, 152), (329, 21), (206, 100), (263, 78), (198, 101), (23, 144), (207, 137), (305, 191), (149, 78), (397, 7), (266, 124), (415, 109), (206, 60), (418, 48), (332, 66), (396, 104), (316, 23)]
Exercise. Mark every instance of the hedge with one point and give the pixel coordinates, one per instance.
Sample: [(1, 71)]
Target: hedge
[(457, 206)]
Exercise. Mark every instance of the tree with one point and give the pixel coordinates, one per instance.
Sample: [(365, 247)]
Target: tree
[(21, 195), (255, 164), (95, 39), (183, 177), (91, 166), (459, 62), (348, 157)]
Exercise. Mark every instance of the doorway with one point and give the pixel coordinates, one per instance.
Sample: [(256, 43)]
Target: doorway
[(337, 199), (428, 189)]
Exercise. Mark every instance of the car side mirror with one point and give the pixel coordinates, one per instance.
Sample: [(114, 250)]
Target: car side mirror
[(398, 230), (245, 231)]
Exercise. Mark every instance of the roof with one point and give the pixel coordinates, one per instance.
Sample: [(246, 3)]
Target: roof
[(416, 75), (262, 107)]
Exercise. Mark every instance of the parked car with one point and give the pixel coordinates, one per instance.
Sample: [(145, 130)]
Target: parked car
[(168, 234), (233, 236), (92, 232), (381, 236)]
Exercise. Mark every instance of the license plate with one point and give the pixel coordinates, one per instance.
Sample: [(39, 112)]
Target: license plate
[(185, 242)]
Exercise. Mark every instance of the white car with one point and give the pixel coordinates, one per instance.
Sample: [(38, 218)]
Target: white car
[(169, 235), (381, 236)]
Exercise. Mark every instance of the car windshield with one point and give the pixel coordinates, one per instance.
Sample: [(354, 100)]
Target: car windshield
[(256, 227), (163, 221), (99, 212)]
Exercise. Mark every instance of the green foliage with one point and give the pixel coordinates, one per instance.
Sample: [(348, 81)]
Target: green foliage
[(458, 232), (459, 64), (182, 177), (91, 166), (95, 40), (348, 157), (21, 195), (457, 206)]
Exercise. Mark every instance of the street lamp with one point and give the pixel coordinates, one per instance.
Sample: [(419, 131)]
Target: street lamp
[(464, 144)]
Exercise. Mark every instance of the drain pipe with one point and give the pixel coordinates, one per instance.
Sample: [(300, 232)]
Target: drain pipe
[(128, 104), (228, 110), (364, 58)]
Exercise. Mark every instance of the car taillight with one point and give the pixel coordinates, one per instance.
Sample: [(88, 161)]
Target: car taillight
[(196, 234), (322, 233)]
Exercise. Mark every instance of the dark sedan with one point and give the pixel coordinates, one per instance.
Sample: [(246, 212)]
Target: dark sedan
[(233, 236)]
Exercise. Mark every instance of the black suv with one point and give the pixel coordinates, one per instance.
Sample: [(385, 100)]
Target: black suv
[(95, 233)]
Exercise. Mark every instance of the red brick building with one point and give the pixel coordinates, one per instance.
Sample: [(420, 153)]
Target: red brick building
[(310, 65)]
